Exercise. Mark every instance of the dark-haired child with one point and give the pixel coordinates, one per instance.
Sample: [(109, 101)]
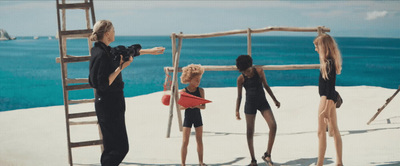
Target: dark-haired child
[(253, 80)]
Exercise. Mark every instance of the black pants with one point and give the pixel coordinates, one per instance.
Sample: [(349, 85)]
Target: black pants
[(110, 110)]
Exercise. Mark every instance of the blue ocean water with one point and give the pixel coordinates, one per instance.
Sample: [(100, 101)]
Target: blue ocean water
[(30, 76)]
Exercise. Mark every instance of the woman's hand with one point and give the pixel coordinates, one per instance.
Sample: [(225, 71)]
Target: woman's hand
[(157, 50), (126, 63)]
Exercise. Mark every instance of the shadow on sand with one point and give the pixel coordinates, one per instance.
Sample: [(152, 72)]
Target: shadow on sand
[(145, 164), (344, 132), (304, 162), (297, 162), (388, 163)]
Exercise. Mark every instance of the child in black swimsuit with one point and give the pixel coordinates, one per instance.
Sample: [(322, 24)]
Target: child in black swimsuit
[(330, 65), (191, 75), (253, 80)]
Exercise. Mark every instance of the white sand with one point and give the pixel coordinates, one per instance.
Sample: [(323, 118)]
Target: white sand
[(37, 136)]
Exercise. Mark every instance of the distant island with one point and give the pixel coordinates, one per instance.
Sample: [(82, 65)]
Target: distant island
[(4, 35)]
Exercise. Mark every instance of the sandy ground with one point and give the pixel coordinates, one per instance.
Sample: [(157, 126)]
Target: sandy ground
[(37, 136)]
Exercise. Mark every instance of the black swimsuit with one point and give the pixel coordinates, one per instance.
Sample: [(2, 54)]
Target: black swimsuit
[(327, 87), (255, 96), (193, 115)]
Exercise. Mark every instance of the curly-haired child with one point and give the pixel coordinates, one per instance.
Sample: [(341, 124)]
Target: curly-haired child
[(191, 75)]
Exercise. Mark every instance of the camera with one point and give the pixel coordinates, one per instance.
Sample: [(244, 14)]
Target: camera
[(126, 52)]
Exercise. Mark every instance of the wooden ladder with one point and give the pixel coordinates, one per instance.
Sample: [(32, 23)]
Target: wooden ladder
[(74, 84)]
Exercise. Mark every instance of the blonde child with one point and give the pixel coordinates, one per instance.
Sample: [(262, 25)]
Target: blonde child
[(191, 75), (331, 64)]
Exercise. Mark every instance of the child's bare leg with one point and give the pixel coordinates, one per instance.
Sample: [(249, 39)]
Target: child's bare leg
[(321, 136), (199, 139), (185, 142), (337, 137), (250, 120), (270, 119)]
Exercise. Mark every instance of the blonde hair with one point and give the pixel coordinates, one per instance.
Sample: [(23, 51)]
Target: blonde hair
[(328, 49), (191, 71), (99, 29)]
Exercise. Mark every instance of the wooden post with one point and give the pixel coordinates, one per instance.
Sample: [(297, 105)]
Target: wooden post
[(248, 41), (178, 112), (173, 42), (174, 87), (319, 30), (383, 107)]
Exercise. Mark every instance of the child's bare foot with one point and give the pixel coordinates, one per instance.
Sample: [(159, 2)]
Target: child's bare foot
[(202, 164)]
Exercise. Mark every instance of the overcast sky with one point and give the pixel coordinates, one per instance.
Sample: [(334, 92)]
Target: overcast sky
[(344, 18)]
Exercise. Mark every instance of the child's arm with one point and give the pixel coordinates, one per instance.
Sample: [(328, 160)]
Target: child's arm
[(240, 81), (266, 86)]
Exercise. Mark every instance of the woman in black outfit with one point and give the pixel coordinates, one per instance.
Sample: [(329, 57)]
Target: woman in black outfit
[(105, 76), (330, 65)]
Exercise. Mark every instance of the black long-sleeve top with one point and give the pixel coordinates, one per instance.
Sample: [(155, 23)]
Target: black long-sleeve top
[(327, 87), (100, 67)]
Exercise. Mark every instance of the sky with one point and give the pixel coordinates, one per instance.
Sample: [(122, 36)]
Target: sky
[(345, 18)]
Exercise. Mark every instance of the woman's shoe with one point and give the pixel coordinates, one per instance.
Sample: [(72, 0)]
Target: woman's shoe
[(253, 163), (267, 159)]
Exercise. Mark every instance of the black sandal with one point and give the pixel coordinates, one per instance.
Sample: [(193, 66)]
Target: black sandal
[(269, 162), (253, 163)]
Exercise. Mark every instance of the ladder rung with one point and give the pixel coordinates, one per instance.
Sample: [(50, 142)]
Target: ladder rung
[(78, 87), (81, 101), (81, 115), (86, 143), (74, 6), (83, 122), (83, 33), (70, 59), (76, 80)]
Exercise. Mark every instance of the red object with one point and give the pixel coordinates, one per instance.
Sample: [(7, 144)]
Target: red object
[(165, 99), (188, 100)]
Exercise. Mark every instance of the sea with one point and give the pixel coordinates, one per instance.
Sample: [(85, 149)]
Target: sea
[(30, 76)]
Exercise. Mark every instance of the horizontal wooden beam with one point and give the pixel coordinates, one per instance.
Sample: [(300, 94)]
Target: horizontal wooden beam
[(86, 143), (81, 115), (85, 5), (244, 31), (72, 59), (81, 101), (83, 122), (265, 67), (76, 80)]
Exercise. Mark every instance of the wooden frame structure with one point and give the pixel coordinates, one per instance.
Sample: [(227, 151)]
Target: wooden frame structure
[(176, 52)]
